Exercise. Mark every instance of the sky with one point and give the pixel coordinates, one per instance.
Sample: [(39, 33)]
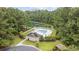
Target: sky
[(37, 8)]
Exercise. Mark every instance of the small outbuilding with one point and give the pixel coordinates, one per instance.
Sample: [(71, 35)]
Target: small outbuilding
[(60, 47)]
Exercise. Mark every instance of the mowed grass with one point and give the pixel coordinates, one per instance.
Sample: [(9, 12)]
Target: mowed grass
[(45, 46), (16, 41), (24, 34)]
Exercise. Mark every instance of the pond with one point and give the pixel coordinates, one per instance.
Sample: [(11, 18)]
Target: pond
[(43, 31)]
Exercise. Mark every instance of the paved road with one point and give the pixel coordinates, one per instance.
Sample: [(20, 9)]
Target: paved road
[(23, 48)]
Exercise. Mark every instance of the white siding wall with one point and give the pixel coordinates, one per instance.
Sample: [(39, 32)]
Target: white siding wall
[(33, 38)]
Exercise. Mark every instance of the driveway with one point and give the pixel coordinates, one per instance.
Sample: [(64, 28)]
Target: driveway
[(22, 47), (22, 41)]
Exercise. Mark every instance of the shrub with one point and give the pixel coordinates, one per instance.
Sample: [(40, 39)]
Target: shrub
[(37, 44)]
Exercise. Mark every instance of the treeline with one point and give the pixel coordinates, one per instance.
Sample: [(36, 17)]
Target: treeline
[(12, 21), (64, 20)]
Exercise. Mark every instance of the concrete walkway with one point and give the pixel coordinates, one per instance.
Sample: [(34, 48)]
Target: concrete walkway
[(22, 41)]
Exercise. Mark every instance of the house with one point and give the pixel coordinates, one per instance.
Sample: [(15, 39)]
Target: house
[(38, 33), (33, 37)]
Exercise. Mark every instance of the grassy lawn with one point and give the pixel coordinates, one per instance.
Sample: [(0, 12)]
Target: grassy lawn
[(24, 34), (45, 46), (16, 41), (48, 45)]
